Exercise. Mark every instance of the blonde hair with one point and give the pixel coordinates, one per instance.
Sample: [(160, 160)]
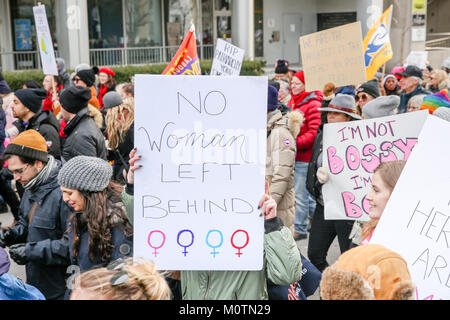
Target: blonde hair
[(144, 282), (389, 173), (116, 129)]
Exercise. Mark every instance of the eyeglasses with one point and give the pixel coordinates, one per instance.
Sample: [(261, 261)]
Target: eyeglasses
[(363, 97), (19, 172)]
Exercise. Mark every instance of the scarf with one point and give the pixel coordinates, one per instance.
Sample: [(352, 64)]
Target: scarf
[(103, 90), (42, 176)]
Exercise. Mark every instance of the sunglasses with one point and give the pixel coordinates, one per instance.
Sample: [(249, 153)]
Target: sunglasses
[(363, 97), (76, 80)]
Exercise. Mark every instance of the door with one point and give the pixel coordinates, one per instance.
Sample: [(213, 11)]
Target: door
[(292, 24)]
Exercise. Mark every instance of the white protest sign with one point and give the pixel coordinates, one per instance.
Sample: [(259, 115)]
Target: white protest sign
[(418, 59), (203, 157), (227, 59), (333, 55), (416, 220), (352, 151), (44, 39)]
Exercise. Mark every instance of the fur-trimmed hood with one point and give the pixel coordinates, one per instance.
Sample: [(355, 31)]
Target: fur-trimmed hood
[(293, 121)]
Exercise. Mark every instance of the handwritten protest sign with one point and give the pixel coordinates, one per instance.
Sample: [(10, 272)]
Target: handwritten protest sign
[(352, 151), (44, 39), (333, 55), (203, 156), (416, 220), (227, 59)]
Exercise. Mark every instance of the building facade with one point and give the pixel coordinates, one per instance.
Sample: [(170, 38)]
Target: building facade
[(122, 32)]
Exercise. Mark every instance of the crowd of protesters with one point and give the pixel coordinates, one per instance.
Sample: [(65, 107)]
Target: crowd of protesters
[(68, 160)]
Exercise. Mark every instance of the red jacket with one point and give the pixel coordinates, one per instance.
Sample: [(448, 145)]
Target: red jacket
[(308, 131)]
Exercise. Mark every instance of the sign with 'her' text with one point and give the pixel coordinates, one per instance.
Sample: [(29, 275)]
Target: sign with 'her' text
[(353, 150), (203, 148), (416, 220)]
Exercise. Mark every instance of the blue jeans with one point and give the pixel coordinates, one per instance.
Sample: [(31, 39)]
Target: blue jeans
[(305, 204)]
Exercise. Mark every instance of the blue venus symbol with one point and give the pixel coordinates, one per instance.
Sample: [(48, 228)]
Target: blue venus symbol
[(212, 246)]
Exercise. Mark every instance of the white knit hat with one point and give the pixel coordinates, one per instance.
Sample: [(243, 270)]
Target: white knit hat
[(443, 113), (381, 107)]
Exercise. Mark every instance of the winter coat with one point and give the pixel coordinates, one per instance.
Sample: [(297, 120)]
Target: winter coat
[(83, 137), (282, 265), (2, 131), (312, 183), (121, 155), (404, 98), (308, 131), (280, 162), (46, 250), (46, 124)]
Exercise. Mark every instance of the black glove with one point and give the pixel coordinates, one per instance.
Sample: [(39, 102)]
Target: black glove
[(5, 237), (17, 253)]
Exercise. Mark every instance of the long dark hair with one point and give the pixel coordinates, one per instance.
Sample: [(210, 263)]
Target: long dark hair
[(103, 211)]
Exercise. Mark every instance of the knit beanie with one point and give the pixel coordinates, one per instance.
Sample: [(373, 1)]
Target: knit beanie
[(30, 144), (4, 88), (350, 90), (112, 99), (31, 98), (301, 75), (282, 66), (434, 101), (88, 76), (443, 113), (387, 77), (272, 98), (75, 98), (382, 106), (85, 173), (370, 87)]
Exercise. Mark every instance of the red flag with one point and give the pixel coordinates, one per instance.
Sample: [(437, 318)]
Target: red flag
[(186, 59)]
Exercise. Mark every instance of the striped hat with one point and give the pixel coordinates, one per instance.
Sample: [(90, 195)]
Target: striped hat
[(436, 100)]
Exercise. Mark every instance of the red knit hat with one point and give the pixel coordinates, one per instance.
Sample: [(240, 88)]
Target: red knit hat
[(107, 71), (301, 75)]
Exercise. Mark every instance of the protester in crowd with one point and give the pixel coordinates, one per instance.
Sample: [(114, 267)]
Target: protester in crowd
[(446, 65), (342, 108), (83, 137), (382, 106), (396, 71), (433, 101), (366, 92), (86, 78), (415, 103), (438, 81), (390, 86), (107, 83), (126, 90), (8, 98), (37, 239), (11, 287), (53, 87), (31, 84), (282, 71), (99, 231), (61, 64), (328, 95), (284, 93), (280, 160), (308, 103), (27, 108), (282, 262), (370, 272), (384, 179), (411, 85), (122, 280), (120, 132)]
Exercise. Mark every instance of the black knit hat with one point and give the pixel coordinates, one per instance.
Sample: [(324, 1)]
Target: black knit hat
[(371, 87), (88, 75), (282, 66), (31, 98), (75, 98)]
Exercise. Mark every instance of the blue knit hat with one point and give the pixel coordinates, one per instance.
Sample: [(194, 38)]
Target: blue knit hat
[(272, 98)]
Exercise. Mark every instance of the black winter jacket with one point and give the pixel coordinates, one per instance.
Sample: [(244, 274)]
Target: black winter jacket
[(83, 138), (46, 250), (312, 183)]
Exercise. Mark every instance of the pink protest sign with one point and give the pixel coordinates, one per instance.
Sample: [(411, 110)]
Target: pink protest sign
[(351, 152)]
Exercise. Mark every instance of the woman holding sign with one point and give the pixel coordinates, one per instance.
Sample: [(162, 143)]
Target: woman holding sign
[(341, 109), (308, 103)]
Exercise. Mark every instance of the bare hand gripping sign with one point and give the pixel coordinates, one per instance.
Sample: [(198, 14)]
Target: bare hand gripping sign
[(353, 150), (203, 155)]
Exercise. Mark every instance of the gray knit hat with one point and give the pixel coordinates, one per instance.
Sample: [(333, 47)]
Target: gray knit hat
[(112, 99), (84, 173), (443, 113), (382, 106)]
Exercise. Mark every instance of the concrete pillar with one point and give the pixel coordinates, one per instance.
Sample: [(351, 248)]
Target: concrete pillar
[(242, 26), (368, 11), (72, 31), (6, 41)]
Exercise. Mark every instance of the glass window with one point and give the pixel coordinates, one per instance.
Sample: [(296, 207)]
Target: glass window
[(207, 22), (179, 14), (223, 5), (143, 23), (105, 24), (259, 30), (22, 20)]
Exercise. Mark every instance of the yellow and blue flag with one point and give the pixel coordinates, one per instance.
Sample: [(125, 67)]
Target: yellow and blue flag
[(377, 44)]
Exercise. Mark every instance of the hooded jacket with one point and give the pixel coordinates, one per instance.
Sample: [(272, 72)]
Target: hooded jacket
[(280, 161), (305, 139), (62, 72)]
